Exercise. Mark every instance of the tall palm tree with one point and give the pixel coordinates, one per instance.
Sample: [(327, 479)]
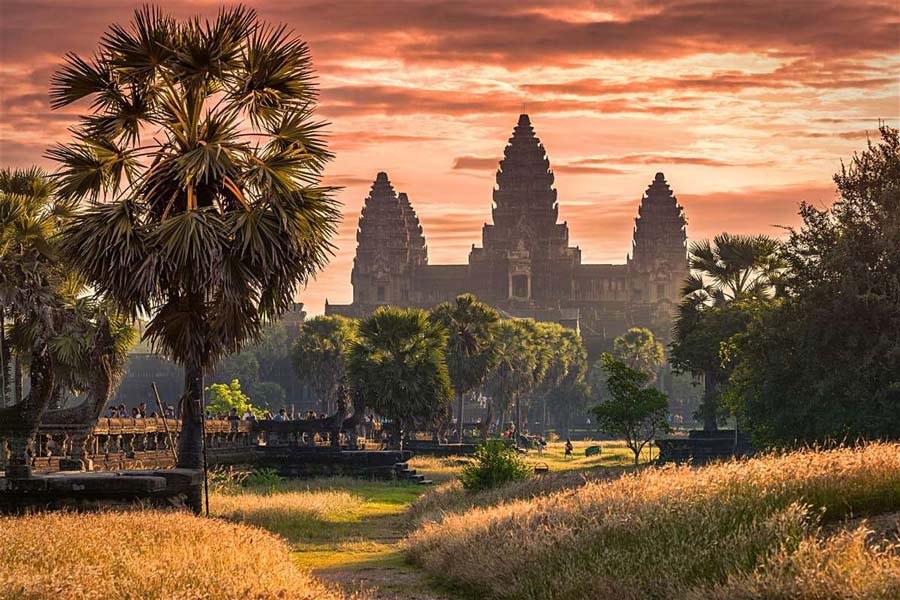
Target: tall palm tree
[(728, 270), (398, 365), (514, 374), (31, 307), (201, 162), (319, 355), (471, 351)]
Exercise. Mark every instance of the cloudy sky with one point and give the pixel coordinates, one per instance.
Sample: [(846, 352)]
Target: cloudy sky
[(747, 106)]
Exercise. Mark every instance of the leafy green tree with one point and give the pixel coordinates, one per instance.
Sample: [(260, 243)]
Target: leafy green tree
[(823, 363), (398, 365), (209, 223), (730, 270), (319, 355), (471, 351), (633, 410), (225, 397), (569, 389), (513, 374), (640, 350)]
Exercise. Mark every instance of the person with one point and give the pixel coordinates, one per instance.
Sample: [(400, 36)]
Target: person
[(170, 412), (268, 415), (142, 408), (281, 416), (539, 444), (569, 448), (249, 416), (136, 413), (123, 412), (232, 415)]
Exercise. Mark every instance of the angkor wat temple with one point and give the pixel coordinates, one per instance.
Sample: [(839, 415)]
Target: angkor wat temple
[(525, 267)]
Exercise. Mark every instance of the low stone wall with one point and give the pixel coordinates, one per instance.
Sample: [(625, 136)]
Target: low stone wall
[(702, 447), (167, 488)]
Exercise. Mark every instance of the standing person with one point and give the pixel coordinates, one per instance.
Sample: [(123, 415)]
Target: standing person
[(281, 416), (569, 448), (143, 409), (233, 416), (540, 443)]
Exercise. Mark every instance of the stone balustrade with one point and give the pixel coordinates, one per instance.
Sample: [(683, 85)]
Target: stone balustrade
[(115, 444)]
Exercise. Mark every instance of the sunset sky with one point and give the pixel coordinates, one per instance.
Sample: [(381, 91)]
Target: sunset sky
[(747, 107)]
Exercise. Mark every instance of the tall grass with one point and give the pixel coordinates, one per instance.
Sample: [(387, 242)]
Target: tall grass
[(662, 532), (146, 555)]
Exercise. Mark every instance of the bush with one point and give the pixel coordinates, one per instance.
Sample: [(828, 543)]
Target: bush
[(495, 464)]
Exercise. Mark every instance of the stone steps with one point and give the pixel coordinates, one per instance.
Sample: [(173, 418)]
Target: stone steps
[(404, 473)]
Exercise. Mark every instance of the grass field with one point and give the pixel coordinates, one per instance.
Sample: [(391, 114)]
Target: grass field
[(771, 528), (147, 554), (680, 532)]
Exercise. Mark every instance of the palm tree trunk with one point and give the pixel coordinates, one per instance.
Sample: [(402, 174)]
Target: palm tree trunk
[(708, 408), (4, 376), (544, 415), (190, 442), (459, 419), (518, 420), (17, 380)]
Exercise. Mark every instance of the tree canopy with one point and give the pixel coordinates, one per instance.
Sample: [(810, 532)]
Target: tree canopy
[(319, 355), (398, 365), (471, 349), (823, 363), (209, 224), (633, 410), (729, 275)]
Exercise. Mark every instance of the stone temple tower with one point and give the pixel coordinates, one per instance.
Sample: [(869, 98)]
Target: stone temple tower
[(390, 246), (658, 265), (525, 258)]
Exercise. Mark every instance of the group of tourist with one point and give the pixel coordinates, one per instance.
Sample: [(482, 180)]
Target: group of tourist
[(139, 412)]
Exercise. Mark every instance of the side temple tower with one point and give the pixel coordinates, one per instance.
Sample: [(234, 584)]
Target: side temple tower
[(525, 266)]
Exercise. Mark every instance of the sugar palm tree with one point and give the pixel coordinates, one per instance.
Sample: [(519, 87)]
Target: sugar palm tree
[(398, 365), (514, 374), (319, 355), (200, 161), (471, 351), (727, 271)]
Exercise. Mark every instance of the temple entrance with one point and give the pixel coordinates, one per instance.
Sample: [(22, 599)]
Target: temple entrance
[(520, 287)]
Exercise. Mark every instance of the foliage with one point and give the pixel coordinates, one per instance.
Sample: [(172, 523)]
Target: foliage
[(397, 365), (319, 354), (513, 375), (824, 363), (704, 527), (209, 223), (226, 397), (471, 350), (566, 386), (495, 464), (638, 349), (43, 304), (731, 272), (633, 411)]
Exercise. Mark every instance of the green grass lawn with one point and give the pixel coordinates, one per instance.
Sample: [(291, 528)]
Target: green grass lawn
[(349, 530)]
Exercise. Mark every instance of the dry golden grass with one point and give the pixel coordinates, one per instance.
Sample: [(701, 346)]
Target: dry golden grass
[(846, 566), (450, 497), (290, 513), (659, 533), (146, 555)]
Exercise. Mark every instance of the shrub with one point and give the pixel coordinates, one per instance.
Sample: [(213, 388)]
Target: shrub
[(495, 464)]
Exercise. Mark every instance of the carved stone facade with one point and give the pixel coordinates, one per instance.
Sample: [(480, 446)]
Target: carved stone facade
[(525, 266)]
